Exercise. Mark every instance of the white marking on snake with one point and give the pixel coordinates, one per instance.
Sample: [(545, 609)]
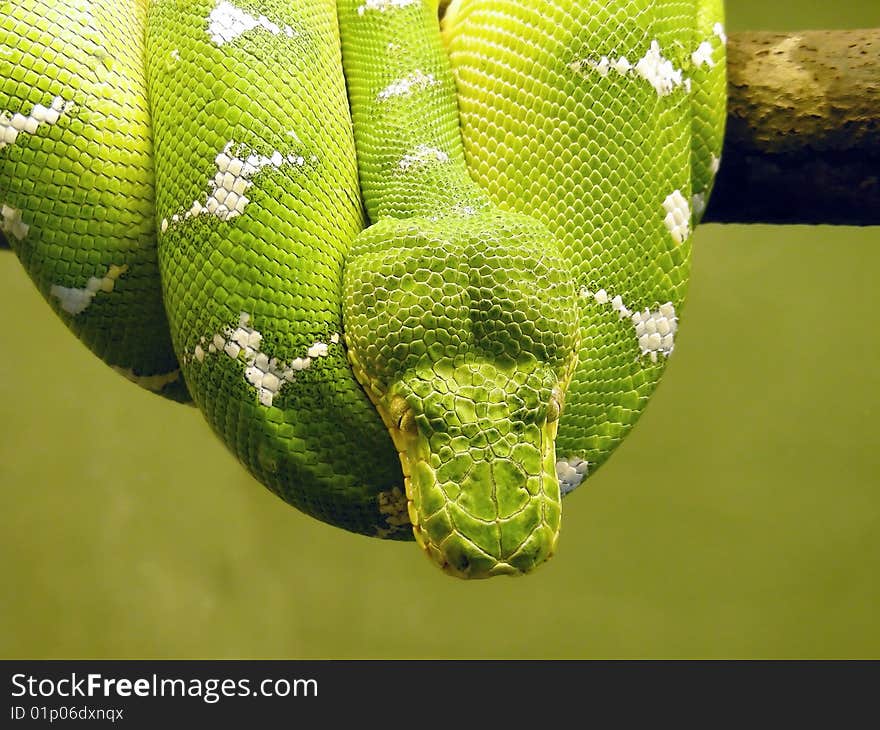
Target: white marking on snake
[(423, 154), (658, 71), (715, 165), (604, 65), (571, 472), (653, 67), (655, 329), (384, 5), (11, 125), (226, 23), (417, 80), (235, 173), (154, 383), (718, 30), (678, 216), (265, 373), (703, 55), (11, 222), (75, 301), (468, 210), (393, 505)]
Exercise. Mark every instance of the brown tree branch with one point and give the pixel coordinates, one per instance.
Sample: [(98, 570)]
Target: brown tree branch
[(803, 130)]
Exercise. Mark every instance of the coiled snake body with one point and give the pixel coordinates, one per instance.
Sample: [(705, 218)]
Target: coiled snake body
[(327, 222)]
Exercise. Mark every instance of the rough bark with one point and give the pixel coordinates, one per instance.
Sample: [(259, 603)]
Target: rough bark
[(803, 130)]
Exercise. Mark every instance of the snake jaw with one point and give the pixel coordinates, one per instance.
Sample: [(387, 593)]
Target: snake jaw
[(477, 511), (476, 517)]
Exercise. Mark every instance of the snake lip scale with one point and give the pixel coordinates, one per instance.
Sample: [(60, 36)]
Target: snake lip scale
[(421, 271)]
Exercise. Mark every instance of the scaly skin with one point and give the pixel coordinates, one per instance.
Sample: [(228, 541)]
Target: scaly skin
[(460, 318), (532, 192), (710, 91), (598, 154), (251, 295), (80, 184)]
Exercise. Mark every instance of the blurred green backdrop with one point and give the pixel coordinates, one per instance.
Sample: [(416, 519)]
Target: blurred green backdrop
[(740, 519)]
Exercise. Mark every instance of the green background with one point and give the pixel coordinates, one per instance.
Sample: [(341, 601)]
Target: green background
[(740, 519)]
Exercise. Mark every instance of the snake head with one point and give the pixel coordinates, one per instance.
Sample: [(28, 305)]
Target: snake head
[(464, 334)]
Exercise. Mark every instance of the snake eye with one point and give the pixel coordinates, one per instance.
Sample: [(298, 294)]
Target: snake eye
[(402, 415), (407, 422), (554, 406)]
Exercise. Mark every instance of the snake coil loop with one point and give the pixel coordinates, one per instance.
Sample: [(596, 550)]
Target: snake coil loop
[(378, 252)]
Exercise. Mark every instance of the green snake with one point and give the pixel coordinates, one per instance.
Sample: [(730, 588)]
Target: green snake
[(420, 268)]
